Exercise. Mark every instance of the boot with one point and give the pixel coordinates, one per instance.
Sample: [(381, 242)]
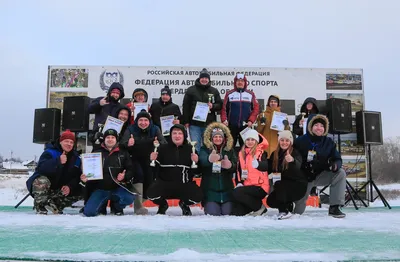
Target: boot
[(185, 209), (138, 207), (41, 210), (52, 206), (162, 209), (335, 212)]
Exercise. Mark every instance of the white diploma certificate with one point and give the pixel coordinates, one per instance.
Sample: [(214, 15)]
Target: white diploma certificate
[(113, 123), (166, 123), (277, 121), (201, 112), (305, 126), (92, 166), (139, 107)]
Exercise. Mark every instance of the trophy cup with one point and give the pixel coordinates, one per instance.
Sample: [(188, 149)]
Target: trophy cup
[(193, 143), (302, 118), (98, 134), (156, 145), (210, 98)]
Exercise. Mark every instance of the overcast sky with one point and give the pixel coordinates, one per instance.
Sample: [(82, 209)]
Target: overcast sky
[(344, 34)]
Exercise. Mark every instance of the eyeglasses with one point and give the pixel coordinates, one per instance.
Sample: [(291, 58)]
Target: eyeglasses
[(239, 76)]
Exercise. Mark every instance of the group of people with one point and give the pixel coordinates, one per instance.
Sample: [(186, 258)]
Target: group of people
[(141, 163)]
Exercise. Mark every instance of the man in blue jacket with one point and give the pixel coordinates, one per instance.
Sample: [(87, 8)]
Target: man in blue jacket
[(322, 164), (55, 183)]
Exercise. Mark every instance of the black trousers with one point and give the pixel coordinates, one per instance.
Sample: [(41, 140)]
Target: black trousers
[(285, 193), (143, 166), (235, 132), (190, 193), (247, 199)]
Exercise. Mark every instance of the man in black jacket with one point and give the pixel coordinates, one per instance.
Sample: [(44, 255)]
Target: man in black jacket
[(165, 107), (322, 164), (201, 91), (116, 183), (175, 177)]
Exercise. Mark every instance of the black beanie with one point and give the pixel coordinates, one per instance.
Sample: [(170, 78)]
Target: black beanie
[(204, 73), (141, 114), (111, 132), (166, 91), (319, 120)]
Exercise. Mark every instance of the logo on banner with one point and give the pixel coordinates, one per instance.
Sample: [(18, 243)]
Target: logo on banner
[(109, 77)]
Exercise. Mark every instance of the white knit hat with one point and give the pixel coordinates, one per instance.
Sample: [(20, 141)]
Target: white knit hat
[(252, 134), (285, 134)]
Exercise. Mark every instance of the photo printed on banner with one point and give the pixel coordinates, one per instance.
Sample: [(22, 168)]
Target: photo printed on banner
[(355, 167), (343, 82), (69, 78)]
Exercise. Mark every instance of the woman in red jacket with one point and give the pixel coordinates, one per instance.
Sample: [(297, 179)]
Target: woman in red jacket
[(252, 184)]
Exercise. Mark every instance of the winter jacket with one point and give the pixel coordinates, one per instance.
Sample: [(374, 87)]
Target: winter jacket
[(240, 105), (114, 162), (110, 109), (325, 147), (175, 162), (296, 125), (217, 187), (161, 108), (293, 172), (199, 93), (256, 176), (60, 175)]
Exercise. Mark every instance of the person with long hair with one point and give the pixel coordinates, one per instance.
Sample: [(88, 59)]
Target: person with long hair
[(252, 184), (290, 182)]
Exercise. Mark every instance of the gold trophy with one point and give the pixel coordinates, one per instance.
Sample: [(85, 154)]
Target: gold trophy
[(263, 119), (210, 98), (133, 105), (193, 143), (156, 145), (302, 118)]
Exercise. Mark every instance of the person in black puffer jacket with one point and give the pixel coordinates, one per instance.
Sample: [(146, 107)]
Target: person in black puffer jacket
[(292, 185)]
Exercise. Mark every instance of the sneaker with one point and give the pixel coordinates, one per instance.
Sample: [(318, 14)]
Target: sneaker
[(335, 212), (185, 209), (284, 215), (259, 212), (41, 210), (162, 209), (119, 213)]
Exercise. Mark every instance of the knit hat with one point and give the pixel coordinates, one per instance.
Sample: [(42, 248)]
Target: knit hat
[(67, 135), (252, 134), (111, 132), (285, 134), (204, 73), (141, 114), (274, 97), (217, 131), (166, 91)]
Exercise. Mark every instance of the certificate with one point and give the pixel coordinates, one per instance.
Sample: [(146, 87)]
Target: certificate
[(277, 121), (92, 166), (166, 123), (113, 123), (201, 112), (305, 126), (139, 107)]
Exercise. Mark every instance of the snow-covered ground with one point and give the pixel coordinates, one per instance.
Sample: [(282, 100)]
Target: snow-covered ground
[(369, 233)]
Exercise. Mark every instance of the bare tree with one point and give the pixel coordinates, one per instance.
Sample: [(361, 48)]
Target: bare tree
[(386, 161)]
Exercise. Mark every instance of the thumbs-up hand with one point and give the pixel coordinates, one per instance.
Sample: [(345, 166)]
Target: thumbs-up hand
[(214, 157), (288, 157), (131, 141), (121, 176), (63, 158), (103, 101), (226, 163)]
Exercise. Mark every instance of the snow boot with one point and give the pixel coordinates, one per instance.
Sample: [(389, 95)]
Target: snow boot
[(335, 212), (138, 207), (41, 210), (51, 205), (185, 209), (162, 209)]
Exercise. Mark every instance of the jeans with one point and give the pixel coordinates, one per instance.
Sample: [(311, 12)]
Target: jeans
[(98, 199), (196, 134)]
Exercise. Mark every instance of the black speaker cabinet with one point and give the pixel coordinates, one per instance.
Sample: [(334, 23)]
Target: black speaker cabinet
[(288, 107), (76, 113), (339, 115), (46, 126), (369, 128)]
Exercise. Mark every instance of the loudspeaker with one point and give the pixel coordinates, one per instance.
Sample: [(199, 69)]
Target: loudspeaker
[(76, 113), (369, 128), (288, 107), (321, 105), (46, 126), (339, 115)]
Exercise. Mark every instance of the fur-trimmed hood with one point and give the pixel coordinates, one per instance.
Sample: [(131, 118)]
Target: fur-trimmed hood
[(228, 137), (311, 120)]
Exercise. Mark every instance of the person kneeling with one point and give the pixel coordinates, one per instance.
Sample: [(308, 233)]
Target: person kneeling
[(218, 163), (116, 183), (252, 184), (55, 183), (290, 183), (175, 176), (322, 164)]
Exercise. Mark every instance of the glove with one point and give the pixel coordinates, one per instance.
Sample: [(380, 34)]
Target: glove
[(333, 167), (226, 163), (254, 163), (263, 120), (239, 185), (214, 157)]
